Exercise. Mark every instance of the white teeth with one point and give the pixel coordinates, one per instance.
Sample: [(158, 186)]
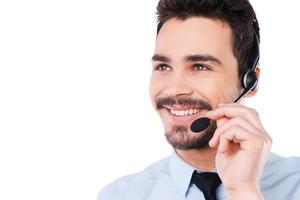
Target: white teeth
[(185, 112)]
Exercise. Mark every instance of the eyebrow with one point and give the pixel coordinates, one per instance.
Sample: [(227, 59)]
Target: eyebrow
[(161, 58), (197, 58), (188, 58)]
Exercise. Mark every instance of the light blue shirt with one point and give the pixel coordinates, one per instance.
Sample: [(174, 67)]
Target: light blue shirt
[(169, 179)]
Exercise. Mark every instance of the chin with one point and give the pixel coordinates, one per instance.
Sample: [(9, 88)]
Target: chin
[(181, 137)]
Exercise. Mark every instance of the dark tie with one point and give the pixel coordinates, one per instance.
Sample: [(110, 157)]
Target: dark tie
[(207, 182)]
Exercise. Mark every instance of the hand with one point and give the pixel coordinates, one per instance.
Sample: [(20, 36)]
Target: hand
[(243, 147)]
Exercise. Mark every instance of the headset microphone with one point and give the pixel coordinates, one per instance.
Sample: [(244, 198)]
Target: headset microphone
[(249, 82)]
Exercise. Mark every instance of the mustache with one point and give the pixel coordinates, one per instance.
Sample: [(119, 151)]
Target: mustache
[(186, 101)]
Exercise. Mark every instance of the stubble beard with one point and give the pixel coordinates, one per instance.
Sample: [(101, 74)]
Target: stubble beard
[(181, 137)]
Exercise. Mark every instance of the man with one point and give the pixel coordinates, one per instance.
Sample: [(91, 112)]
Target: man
[(204, 50)]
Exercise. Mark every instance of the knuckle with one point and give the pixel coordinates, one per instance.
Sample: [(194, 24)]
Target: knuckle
[(254, 112), (244, 111), (260, 143), (269, 141), (264, 142), (234, 129), (236, 121)]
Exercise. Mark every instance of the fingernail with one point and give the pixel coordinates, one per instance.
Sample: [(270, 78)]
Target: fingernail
[(209, 112)]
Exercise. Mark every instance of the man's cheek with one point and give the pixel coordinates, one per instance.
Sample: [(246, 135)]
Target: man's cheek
[(152, 93), (155, 91)]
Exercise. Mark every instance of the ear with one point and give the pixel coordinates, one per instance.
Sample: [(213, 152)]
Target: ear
[(253, 93)]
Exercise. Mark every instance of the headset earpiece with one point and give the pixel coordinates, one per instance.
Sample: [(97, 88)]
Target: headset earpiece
[(250, 81)]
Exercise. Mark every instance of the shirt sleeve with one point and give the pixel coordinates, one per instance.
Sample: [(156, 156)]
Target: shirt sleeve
[(109, 193)]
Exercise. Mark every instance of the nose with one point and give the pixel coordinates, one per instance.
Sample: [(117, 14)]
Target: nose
[(178, 86)]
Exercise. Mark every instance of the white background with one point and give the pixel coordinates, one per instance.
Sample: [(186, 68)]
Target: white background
[(75, 113)]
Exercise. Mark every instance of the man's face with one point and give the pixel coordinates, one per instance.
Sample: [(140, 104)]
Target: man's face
[(194, 70)]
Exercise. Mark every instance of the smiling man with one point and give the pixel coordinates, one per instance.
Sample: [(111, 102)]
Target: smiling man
[(201, 65)]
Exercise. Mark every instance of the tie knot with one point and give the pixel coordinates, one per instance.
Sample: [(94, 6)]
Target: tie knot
[(207, 182)]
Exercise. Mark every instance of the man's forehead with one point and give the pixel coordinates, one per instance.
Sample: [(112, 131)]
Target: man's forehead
[(196, 29), (197, 35)]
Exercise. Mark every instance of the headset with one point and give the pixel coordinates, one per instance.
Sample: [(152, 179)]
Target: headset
[(250, 79)]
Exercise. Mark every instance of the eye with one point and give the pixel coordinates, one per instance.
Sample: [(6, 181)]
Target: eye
[(199, 67), (162, 67)]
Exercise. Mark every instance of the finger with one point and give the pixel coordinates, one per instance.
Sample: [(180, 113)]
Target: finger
[(246, 139), (235, 111), (223, 145), (230, 104), (229, 123), (238, 108), (221, 121)]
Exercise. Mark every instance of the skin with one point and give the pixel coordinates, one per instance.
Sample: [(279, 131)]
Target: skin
[(238, 163)]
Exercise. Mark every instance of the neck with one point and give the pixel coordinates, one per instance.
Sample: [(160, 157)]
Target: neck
[(199, 158)]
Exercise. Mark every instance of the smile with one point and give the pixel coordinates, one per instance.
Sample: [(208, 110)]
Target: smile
[(183, 115), (184, 112)]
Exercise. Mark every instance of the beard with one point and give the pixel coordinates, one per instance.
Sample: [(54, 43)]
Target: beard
[(181, 137)]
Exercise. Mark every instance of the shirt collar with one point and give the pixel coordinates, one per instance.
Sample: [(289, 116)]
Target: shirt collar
[(181, 173)]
